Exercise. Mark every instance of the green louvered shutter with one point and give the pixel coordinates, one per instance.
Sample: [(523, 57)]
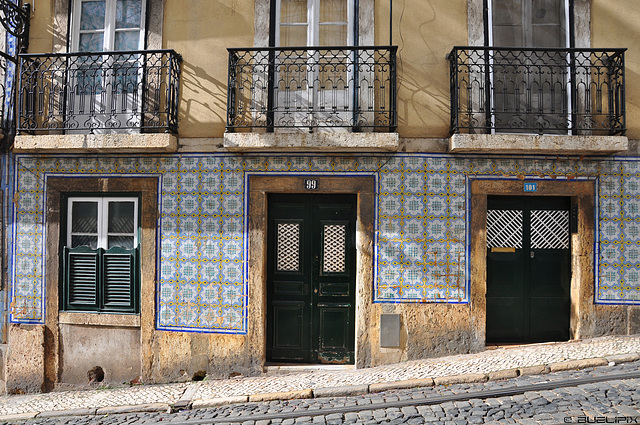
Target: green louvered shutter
[(119, 279), (82, 271)]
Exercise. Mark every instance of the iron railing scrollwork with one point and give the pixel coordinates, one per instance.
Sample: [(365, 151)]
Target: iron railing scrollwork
[(312, 87), (537, 90), (99, 92), (15, 20)]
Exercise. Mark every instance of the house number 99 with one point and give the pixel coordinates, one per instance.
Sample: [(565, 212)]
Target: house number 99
[(310, 184)]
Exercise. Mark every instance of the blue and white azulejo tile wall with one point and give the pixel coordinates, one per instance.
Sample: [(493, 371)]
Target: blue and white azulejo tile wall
[(421, 228)]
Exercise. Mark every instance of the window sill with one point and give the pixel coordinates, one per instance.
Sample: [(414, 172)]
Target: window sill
[(99, 319)]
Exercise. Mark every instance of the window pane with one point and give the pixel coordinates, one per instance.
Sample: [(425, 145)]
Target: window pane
[(333, 35), (293, 11), (121, 217), (92, 42), (293, 36), (507, 12), (84, 217), (547, 12), (333, 11), (128, 13), (92, 15), (84, 240), (127, 40), (125, 242)]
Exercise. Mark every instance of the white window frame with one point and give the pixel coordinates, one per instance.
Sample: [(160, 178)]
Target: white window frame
[(567, 10), (313, 23), (109, 25), (103, 219)]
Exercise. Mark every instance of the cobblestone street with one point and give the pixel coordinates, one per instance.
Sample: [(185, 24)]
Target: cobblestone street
[(573, 404)]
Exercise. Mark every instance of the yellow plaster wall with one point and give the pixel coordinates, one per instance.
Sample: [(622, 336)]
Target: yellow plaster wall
[(201, 31), (614, 23), (425, 31), (41, 26)]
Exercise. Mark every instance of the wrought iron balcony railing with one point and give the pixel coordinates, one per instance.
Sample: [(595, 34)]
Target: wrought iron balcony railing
[(99, 92), (7, 70), (311, 87), (537, 90)]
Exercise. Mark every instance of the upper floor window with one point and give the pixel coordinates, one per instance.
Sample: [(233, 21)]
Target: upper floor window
[(314, 23), (107, 25), (529, 23)]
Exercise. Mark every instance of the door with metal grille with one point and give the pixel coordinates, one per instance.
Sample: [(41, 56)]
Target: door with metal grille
[(528, 269), (311, 278)]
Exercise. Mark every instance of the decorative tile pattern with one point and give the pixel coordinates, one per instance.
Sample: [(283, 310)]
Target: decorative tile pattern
[(421, 230)]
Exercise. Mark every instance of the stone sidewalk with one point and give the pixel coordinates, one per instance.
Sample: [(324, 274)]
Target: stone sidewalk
[(491, 364)]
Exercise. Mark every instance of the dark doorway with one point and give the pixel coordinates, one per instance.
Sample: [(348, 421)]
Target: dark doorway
[(311, 278), (528, 269)]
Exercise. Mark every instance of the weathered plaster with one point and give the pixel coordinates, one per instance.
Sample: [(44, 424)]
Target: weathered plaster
[(25, 359)]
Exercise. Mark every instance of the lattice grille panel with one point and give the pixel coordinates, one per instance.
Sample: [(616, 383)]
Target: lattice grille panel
[(504, 228), (334, 248), (288, 247), (549, 229)]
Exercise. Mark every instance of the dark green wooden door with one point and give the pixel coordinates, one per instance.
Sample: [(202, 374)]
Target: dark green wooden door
[(311, 278), (528, 269)]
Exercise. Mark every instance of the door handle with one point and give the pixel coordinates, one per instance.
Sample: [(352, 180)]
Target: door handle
[(533, 254)]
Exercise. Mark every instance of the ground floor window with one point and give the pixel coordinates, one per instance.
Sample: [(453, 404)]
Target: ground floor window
[(100, 263)]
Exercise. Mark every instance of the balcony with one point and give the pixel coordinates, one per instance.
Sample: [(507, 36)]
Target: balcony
[(98, 93), (312, 90), (538, 94)]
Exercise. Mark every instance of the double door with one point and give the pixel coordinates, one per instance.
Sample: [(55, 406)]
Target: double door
[(311, 278), (528, 269)]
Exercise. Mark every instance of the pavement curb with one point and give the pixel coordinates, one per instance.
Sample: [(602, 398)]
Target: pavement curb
[(400, 385), (285, 395), (467, 378), (346, 391), (219, 401), (71, 412), (578, 364), (623, 358), (133, 408)]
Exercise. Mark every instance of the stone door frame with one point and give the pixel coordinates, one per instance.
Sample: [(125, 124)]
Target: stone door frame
[(259, 186), (583, 197)]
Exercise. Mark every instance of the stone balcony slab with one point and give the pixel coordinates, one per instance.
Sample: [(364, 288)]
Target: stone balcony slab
[(537, 144)]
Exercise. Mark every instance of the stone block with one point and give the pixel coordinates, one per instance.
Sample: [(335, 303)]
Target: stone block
[(149, 407), (219, 401), (623, 358), (503, 374), (286, 395), (88, 143), (466, 378), (540, 144), (577, 364), (346, 391), (316, 141), (533, 370), (399, 385)]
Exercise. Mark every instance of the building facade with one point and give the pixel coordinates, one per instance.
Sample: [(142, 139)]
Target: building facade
[(226, 185)]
